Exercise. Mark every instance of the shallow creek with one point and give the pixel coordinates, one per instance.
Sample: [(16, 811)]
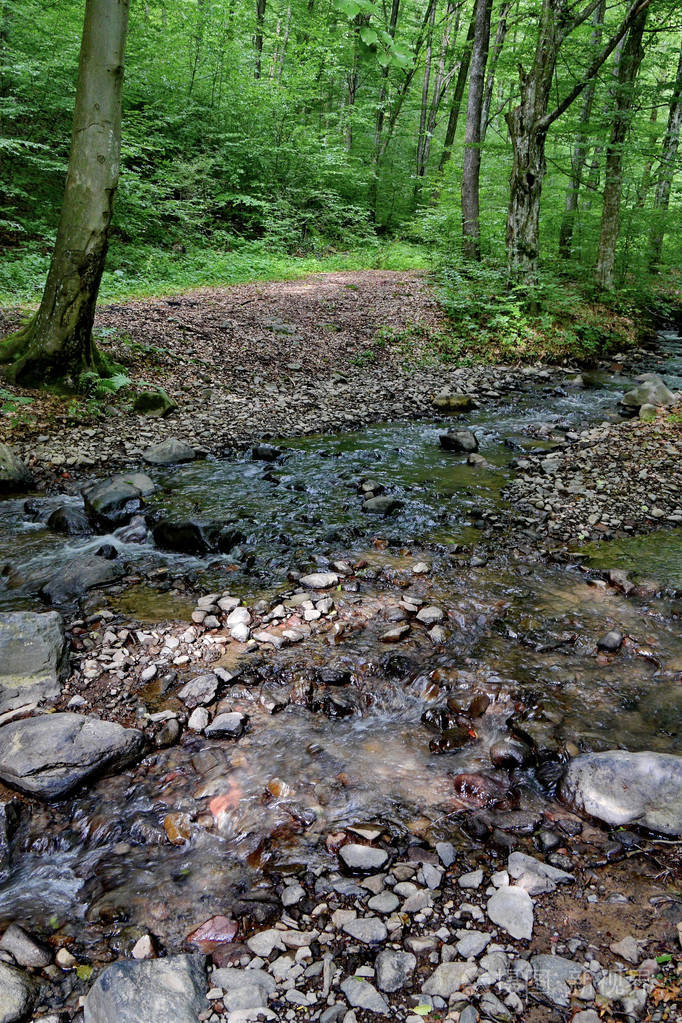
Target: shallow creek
[(520, 633)]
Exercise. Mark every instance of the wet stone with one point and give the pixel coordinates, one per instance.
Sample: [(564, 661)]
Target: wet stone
[(363, 859), (25, 950), (50, 756), (147, 991), (17, 994), (32, 658), (227, 726)]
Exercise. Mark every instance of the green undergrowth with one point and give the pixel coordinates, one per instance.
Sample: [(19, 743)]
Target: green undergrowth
[(147, 270), (557, 320)]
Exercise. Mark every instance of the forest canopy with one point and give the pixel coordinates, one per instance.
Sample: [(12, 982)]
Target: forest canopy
[(308, 126)]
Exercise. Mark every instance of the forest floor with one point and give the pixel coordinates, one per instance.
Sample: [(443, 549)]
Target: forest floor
[(356, 655)]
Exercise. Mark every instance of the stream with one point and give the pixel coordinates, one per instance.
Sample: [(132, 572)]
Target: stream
[(521, 636)]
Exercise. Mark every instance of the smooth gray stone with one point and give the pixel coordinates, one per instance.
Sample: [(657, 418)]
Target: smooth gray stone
[(51, 755), (618, 788), (551, 974), (368, 929), (32, 658), (149, 991), (17, 994), (14, 475), (200, 690), (25, 950), (534, 875), (448, 978), (169, 452), (363, 995), (512, 909), (394, 969), (650, 392), (227, 726), (232, 977), (363, 858)]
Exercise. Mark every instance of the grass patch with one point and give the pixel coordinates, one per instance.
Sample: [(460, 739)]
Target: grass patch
[(144, 271)]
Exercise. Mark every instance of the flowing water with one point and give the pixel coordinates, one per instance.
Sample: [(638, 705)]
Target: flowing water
[(522, 636)]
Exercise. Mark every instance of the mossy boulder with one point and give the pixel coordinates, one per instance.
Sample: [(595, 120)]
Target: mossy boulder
[(154, 403)]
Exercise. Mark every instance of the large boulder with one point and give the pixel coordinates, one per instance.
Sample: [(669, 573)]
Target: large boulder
[(618, 788), (185, 537), (155, 404), (149, 991), (169, 452), (453, 401), (459, 440), (78, 576), (70, 520), (32, 658), (112, 502), (51, 755), (651, 391), (14, 475), (18, 994)]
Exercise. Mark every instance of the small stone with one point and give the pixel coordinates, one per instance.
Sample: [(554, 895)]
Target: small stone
[(227, 726), (553, 975), (25, 949), (363, 995), (292, 895), (611, 642), (363, 859), (613, 986), (474, 879), (384, 903), (394, 969), (512, 909), (449, 978), (144, 948), (472, 943), (198, 719), (446, 853), (370, 930), (65, 959), (628, 949), (320, 580)]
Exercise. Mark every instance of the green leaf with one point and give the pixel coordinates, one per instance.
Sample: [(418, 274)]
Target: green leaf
[(348, 7), (369, 36), (84, 972), (666, 958), (422, 1010)]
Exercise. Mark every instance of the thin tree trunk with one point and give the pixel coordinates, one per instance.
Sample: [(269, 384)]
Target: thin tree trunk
[(666, 172), (471, 163), (580, 149), (352, 80), (258, 37), (381, 116), (442, 80), (500, 36), (58, 341), (632, 56), (456, 104), (423, 111)]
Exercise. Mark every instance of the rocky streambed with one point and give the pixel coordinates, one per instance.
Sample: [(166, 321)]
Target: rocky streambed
[(344, 728)]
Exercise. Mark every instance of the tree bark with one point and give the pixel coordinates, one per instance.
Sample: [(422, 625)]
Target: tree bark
[(671, 141), (530, 121), (580, 149), (500, 36), (58, 341), (423, 111), (458, 93), (471, 164), (258, 37), (631, 58)]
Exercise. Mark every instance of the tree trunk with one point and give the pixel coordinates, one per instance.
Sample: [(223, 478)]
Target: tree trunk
[(58, 341), (258, 37), (458, 93), (631, 58), (580, 149), (441, 81), (471, 164), (500, 36), (530, 121), (423, 111), (373, 197), (666, 172)]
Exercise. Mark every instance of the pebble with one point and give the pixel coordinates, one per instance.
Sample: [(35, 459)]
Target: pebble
[(512, 909)]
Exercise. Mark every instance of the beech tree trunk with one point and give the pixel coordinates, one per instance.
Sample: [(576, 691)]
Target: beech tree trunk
[(631, 58), (471, 164), (671, 141), (500, 36), (580, 149), (58, 340)]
